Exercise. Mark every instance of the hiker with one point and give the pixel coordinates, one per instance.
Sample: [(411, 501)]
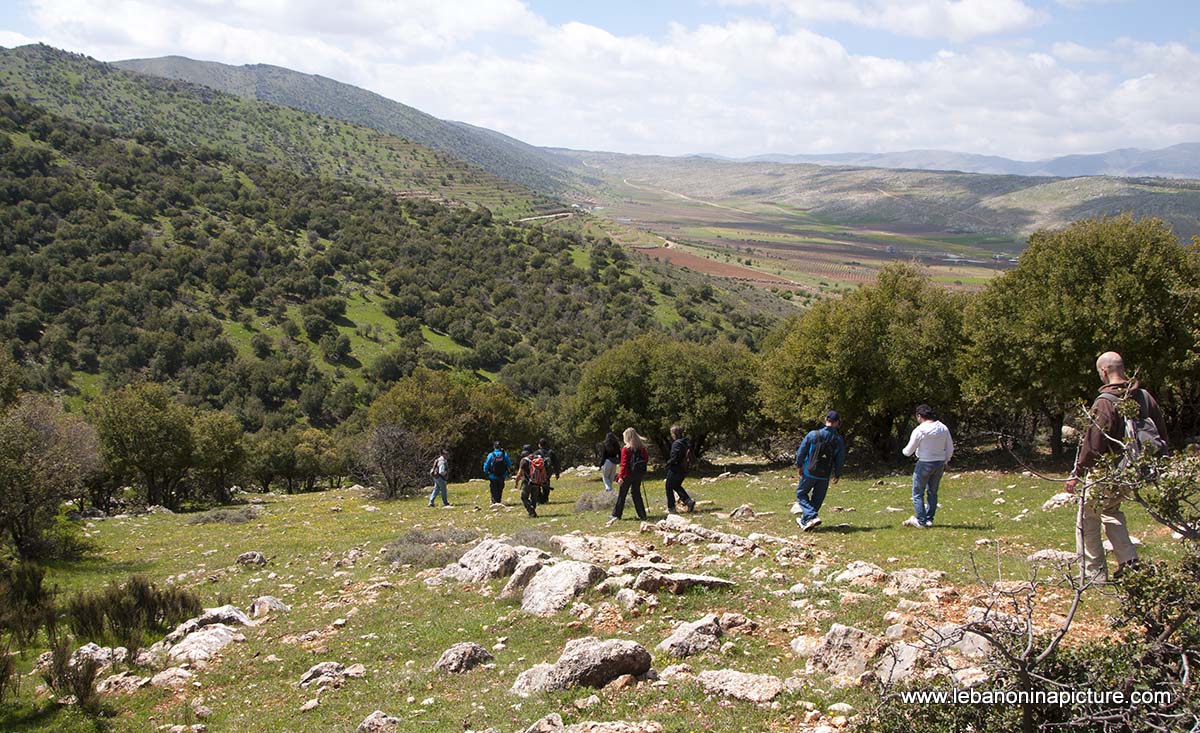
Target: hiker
[(610, 458), (532, 478), (547, 453), (820, 457), (440, 471), (678, 463), (634, 461), (932, 443), (1104, 437), (496, 465)]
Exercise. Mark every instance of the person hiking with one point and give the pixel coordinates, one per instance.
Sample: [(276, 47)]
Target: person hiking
[(819, 458), (440, 472), (934, 447), (610, 458), (496, 465), (634, 461), (1104, 437), (547, 453), (678, 463), (532, 476)]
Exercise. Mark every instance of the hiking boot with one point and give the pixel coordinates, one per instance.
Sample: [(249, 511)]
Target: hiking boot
[(431, 503), (1122, 567), (912, 522), (691, 505), (807, 525)]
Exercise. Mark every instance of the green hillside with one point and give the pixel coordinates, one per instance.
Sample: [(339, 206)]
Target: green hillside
[(187, 115), (498, 154), (282, 297)]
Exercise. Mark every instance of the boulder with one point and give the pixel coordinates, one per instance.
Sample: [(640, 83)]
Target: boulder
[(462, 657), (845, 654), (741, 685), (223, 615), (602, 550), (527, 567), (652, 581), (263, 605), (121, 684), (172, 678), (629, 599), (692, 638), (378, 722), (863, 574), (586, 662), (252, 558), (554, 586), (913, 580), (806, 646), (488, 560), (199, 647), (901, 662), (1058, 501), (1052, 558), (745, 511)]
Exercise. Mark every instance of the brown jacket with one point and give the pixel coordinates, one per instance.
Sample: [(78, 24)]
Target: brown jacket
[(1107, 422)]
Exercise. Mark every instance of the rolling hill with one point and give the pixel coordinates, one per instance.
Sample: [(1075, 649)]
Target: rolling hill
[(189, 115), (498, 154)]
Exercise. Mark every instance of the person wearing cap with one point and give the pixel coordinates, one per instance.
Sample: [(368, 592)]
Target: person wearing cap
[(934, 447), (496, 465), (819, 458), (523, 478)]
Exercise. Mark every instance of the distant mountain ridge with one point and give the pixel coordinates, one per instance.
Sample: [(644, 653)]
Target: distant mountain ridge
[(494, 152), (1176, 161)]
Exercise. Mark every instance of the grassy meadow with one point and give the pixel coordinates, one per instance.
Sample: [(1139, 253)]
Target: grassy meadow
[(385, 617)]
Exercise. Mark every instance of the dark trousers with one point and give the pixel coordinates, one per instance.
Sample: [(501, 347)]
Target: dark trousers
[(543, 494), (530, 495), (497, 487), (634, 484), (675, 486)]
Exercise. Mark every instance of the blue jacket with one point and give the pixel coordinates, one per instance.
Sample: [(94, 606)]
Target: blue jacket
[(811, 441), (506, 462)]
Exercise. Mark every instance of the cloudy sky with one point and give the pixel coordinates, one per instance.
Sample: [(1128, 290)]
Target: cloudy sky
[(1026, 79)]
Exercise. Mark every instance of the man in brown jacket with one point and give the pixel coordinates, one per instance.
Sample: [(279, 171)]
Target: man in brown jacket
[(1103, 438)]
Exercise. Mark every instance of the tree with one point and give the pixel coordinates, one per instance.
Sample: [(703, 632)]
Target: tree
[(145, 435), (873, 355), (396, 459), (1112, 284), (220, 453), (45, 457), (10, 379), (652, 383)]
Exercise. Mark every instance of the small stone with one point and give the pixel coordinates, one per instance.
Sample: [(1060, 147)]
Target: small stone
[(310, 705)]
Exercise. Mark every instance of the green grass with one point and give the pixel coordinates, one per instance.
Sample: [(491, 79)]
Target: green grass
[(441, 342), (400, 634)]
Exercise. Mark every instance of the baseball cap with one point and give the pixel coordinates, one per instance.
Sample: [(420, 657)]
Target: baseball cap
[(833, 416)]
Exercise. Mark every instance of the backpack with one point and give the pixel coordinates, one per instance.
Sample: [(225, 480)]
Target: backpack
[(820, 458), (1142, 436), (538, 474), (495, 464), (689, 459), (637, 463)]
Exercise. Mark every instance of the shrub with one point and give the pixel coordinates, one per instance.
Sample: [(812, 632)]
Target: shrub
[(530, 537), (226, 515), (24, 602), (66, 679), (600, 501), (124, 612), (440, 536), (421, 556)]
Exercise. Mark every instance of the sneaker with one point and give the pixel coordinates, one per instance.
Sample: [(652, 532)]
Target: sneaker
[(611, 521), (928, 524), (447, 504), (431, 503), (911, 522), (691, 506), (805, 526)]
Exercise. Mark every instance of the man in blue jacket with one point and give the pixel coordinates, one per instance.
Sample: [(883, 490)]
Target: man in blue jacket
[(496, 465), (819, 458)]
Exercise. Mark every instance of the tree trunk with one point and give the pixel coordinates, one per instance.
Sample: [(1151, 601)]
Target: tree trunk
[(1056, 443)]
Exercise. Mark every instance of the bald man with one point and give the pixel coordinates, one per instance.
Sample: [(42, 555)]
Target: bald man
[(1103, 438)]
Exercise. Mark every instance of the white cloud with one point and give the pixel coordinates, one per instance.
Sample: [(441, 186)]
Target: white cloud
[(741, 87), (957, 20), (9, 39)]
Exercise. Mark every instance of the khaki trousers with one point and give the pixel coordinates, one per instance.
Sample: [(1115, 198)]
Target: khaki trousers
[(1089, 544)]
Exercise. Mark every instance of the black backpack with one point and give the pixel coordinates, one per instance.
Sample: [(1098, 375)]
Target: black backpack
[(1145, 438), (496, 464), (821, 457), (637, 463)]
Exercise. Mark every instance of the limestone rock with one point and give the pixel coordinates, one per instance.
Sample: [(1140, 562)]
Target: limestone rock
[(200, 647), (488, 560), (1058, 501), (1052, 558), (651, 581), (602, 550), (172, 678), (121, 684), (741, 685), (252, 558), (845, 654), (692, 638), (527, 567), (859, 573), (901, 662), (378, 722), (586, 662), (263, 605), (554, 586), (913, 580), (222, 615), (324, 674), (462, 657)]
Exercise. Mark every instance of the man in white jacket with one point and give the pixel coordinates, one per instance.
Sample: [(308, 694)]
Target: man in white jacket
[(934, 447)]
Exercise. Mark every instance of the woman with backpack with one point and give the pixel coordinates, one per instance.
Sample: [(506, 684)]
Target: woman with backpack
[(610, 458), (634, 461)]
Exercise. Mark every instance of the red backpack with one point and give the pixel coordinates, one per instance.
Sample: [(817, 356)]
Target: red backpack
[(538, 475)]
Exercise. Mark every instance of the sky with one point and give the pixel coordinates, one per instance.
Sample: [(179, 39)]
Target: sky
[(1026, 79)]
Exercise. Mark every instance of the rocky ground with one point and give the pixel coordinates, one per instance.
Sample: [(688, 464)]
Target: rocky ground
[(340, 612)]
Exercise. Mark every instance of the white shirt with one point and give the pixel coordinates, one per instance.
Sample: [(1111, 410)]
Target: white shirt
[(439, 467), (931, 441)]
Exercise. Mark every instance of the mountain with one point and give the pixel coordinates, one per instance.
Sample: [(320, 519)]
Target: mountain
[(909, 200), (498, 154), (187, 115), (1177, 161), (283, 297)]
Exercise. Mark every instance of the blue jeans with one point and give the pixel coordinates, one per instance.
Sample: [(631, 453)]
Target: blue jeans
[(439, 487), (810, 494), (926, 477)]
